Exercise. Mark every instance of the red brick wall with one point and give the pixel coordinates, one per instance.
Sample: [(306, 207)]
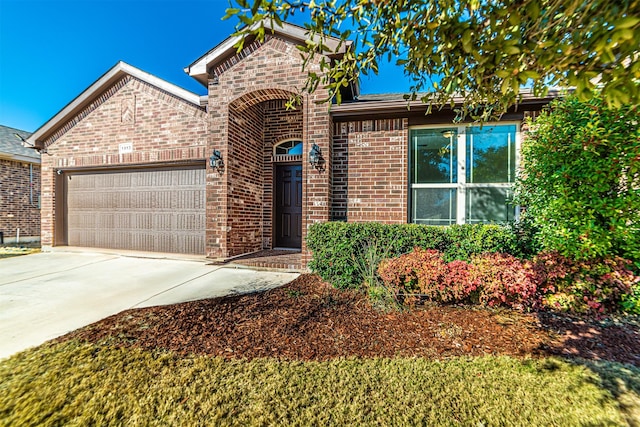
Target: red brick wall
[(20, 183), (161, 127), (264, 73), (281, 124), (340, 181), (316, 187), (370, 177), (244, 170)]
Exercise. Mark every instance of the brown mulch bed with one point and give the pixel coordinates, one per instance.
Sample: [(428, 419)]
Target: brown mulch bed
[(309, 320)]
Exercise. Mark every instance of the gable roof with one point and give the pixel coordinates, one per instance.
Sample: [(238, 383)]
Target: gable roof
[(12, 149), (198, 69), (114, 74)]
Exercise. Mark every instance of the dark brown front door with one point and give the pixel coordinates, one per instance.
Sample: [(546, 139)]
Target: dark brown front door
[(289, 206)]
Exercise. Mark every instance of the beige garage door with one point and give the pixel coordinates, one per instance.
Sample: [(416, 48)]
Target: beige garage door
[(158, 210)]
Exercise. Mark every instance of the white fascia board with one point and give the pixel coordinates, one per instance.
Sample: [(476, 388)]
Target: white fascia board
[(177, 91), (116, 72), (199, 67)]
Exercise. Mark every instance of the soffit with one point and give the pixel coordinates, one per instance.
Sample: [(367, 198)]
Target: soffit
[(394, 103)]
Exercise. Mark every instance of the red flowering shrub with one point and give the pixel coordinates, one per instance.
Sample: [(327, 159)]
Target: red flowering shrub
[(550, 269), (505, 280), (493, 279), (418, 273), (551, 280), (424, 274), (590, 286), (459, 282)]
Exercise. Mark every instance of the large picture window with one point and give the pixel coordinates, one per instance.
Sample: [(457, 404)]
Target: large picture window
[(463, 174)]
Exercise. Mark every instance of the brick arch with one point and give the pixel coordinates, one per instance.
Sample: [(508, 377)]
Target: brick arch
[(255, 97), (284, 138)]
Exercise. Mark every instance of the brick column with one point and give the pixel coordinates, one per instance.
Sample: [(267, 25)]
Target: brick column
[(316, 188), (217, 182)]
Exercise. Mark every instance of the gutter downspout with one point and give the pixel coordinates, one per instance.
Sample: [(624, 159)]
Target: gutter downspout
[(31, 185)]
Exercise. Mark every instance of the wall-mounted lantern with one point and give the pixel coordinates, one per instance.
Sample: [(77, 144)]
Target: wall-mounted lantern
[(216, 161), (315, 157)]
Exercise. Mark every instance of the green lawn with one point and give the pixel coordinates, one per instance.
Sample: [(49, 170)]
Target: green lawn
[(11, 251), (86, 384)]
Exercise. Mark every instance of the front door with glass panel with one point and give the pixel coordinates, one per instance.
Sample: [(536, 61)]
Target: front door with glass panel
[(463, 174)]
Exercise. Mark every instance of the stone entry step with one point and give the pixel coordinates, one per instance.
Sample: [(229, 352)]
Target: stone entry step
[(272, 259)]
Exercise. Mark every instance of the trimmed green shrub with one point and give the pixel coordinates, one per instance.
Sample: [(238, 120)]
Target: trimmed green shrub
[(339, 248), (468, 240), (527, 237), (580, 182)]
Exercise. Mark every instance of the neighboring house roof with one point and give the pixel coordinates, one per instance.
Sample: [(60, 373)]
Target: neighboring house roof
[(11, 148), (117, 72), (199, 68)]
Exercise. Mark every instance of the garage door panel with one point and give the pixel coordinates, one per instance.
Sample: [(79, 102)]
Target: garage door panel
[(151, 210)]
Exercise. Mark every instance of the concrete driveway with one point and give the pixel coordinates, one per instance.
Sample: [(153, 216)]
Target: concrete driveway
[(45, 295)]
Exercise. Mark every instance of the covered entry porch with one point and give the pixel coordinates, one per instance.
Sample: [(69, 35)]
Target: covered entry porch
[(258, 196)]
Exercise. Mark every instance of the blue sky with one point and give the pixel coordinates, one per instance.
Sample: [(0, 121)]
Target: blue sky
[(51, 50)]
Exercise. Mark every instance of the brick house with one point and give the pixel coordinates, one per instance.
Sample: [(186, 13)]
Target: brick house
[(138, 163), (19, 188)]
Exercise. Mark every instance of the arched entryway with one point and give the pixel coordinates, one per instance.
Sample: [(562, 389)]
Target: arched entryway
[(265, 173)]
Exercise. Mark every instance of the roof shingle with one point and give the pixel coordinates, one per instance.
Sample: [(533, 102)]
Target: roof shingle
[(10, 146)]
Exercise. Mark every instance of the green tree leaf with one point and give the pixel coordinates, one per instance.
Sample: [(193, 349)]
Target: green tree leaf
[(471, 46), (580, 178)]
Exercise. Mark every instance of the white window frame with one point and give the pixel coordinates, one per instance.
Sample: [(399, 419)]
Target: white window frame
[(461, 186)]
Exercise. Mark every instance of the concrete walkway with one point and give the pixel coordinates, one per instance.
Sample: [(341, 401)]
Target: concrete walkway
[(45, 295)]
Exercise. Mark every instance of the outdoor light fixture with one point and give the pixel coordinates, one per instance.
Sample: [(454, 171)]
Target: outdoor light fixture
[(315, 157), (216, 161)]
